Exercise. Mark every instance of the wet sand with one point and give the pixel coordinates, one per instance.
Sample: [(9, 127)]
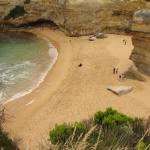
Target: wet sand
[(71, 93)]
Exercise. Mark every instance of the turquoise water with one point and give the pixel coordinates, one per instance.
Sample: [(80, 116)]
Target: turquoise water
[(23, 61)]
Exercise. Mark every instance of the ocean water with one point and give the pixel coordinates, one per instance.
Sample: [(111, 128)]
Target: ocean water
[(24, 61)]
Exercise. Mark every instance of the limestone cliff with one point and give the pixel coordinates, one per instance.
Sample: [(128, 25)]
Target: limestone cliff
[(141, 40), (75, 17)]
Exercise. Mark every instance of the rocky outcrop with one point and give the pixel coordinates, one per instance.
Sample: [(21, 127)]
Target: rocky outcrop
[(75, 17), (141, 40), (82, 17)]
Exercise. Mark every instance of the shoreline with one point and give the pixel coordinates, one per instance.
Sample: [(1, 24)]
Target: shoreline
[(70, 93), (53, 55)]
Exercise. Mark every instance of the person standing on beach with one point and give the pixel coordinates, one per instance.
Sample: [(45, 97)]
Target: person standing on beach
[(115, 70), (120, 77), (125, 42)]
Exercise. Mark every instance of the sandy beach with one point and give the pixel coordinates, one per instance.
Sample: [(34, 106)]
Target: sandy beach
[(71, 93)]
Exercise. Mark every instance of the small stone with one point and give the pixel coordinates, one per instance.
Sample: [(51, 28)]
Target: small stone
[(92, 38)]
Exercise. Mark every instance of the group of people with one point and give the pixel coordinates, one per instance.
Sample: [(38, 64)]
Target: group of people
[(125, 42), (115, 69), (121, 76)]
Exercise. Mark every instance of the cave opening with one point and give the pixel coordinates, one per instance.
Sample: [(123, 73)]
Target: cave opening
[(16, 12), (40, 23)]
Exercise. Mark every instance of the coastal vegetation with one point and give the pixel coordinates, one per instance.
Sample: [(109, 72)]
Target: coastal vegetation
[(6, 143), (107, 130)]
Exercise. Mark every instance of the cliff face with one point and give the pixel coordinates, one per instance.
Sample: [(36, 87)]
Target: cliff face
[(75, 17), (141, 40), (81, 17)]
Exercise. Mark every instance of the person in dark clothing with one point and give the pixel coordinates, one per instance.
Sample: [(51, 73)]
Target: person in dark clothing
[(115, 70), (125, 42), (80, 65), (120, 77)]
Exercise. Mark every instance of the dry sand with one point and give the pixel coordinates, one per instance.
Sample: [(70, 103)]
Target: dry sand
[(71, 93)]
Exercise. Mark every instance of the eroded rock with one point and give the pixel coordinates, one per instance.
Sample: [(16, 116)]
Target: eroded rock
[(141, 41), (75, 17), (133, 73)]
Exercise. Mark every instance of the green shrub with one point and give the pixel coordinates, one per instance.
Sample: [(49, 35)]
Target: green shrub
[(79, 128), (60, 133), (6, 143), (141, 146), (98, 117), (110, 111), (121, 119), (114, 131), (109, 121), (111, 118)]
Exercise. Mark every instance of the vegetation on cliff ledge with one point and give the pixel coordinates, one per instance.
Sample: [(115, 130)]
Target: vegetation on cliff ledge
[(6, 143), (107, 130)]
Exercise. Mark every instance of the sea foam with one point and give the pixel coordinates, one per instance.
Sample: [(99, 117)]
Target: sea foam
[(53, 54)]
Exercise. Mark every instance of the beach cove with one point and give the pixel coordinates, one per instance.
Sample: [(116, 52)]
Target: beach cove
[(70, 93)]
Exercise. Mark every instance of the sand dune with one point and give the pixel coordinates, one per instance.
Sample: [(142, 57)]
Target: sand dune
[(71, 93)]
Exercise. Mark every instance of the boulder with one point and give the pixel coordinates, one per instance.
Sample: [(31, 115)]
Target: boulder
[(120, 90), (100, 35), (92, 38)]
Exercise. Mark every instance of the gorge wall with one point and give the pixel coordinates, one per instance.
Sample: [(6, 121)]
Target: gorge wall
[(74, 17), (84, 17), (141, 40)]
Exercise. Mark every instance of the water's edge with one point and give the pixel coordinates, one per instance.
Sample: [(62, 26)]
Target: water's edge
[(53, 54)]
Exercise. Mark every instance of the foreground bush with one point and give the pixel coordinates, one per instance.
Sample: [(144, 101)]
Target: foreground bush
[(141, 146), (111, 118), (110, 130), (62, 132), (79, 128), (6, 143)]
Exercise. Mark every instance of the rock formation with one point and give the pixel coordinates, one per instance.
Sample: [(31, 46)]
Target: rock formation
[(75, 17), (82, 17), (141, 40)]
